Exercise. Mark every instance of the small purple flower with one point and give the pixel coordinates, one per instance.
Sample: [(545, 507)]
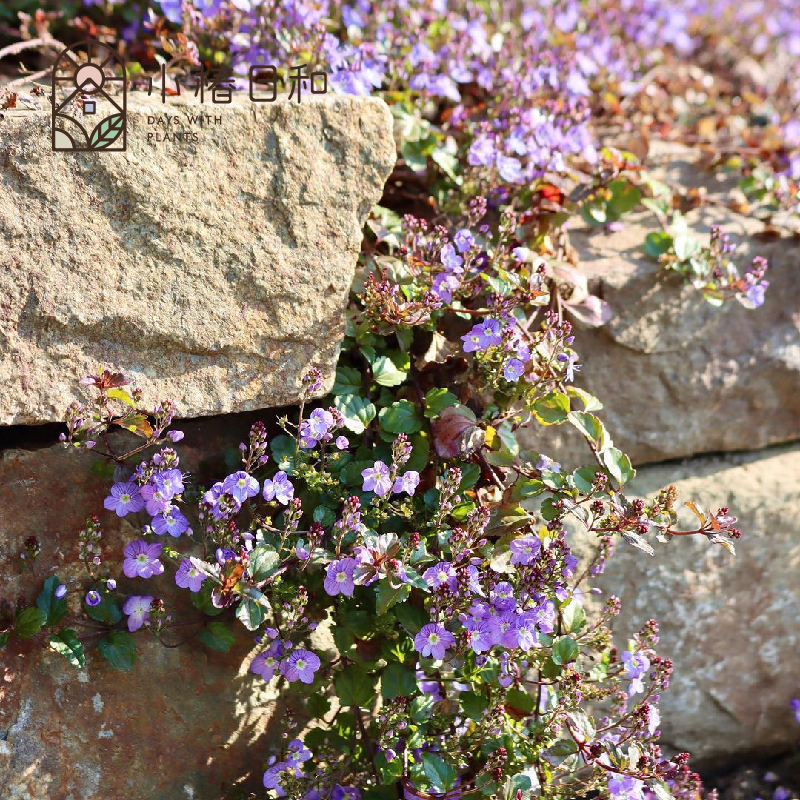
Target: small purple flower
[(451, 260), (572, 367), (316, 428), (481, 152), (433, 641), (377, 479), (169, 482), (240, 485), (138, 610), (141, 559), (442, 574), (503, 596), (272, 777), (479, 634), (188, 576), (407, 482), (545, 463), (464, 240), (625, 787), (298, 752), (300, 665), (755, 294), (505, 629), (482, 336), (175, 436), (795, 706), (636, 666), (171, 522), (279, 488), (92, 598), (157, 500), (525, 550), (342, 443), (60, 591), (510, 169), (111, 584), (124, 499), (339, 577), (526, 630), (266, 663), (513, 370)]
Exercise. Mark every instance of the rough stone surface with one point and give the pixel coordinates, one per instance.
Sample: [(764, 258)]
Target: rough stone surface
[(729, 624), (215, 272), (183, 723), (677, 376)]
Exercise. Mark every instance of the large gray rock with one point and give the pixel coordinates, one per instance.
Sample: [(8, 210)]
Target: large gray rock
[(215, 272), (677, 376), (730, 625)]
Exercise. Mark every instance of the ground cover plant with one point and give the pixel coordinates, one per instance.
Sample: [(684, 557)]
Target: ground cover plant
[(399, 511)]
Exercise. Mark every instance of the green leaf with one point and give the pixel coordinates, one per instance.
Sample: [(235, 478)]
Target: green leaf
[(441, 775), (400, 417), (250, 613), (263, 562), (411, 617), (389, 772), (590, 426), (565, 649), (357, 411), (202, 600), (685, 246), (354, 687), (67, 644), (107, 610), (661, 790), (282, 448), (28, 622), (119, 649), (217, 636), (574, 616), (656, 243), (122, 396), (386, 373), (552, 409), (437, 400), (324, 516), (625, 197), (618, 464), (52, 607), (474, 705), (387, 596), (348, 381), (107, 132), (397, 681)]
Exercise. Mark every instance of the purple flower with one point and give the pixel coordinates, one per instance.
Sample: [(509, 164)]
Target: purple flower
[(272, 777), (300, 665), (339, 577), (636, 666), (240, 485), (169, 482), (572, 367), (266, 663), (111, 584), (60, 591), (171, 522), (526, 630), (342, 443), (451, 260), (503, 596), (138, 610), (157, 500), (280, 488), (298, 752), (479, 634), (188, 576), (92, 598), (510, 169), (175, 436), (795, 706), (124, 498), (484, 335), (377, 479), (141, 559), (407, 482), (433, 640), (625, 787), (464, 240), (442, 574), (481, 152), (513, 370), (505, 629), (316, 428), (545, 463), (755, 294), (525, 550)]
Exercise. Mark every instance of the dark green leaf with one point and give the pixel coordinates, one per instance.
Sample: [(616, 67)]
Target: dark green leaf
[(354, 687), (263, 562), (250, 613), (107, 610), (397, 681), (436, 400), (67, 644), (565, 649), (387, 596), (441, 775), (400, 417), (51, 606), (348, 381), (357, 411), (217, 636), (28, 622), (119, 649)]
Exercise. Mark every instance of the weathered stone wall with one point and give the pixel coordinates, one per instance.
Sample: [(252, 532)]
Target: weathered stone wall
[(215, 272)]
